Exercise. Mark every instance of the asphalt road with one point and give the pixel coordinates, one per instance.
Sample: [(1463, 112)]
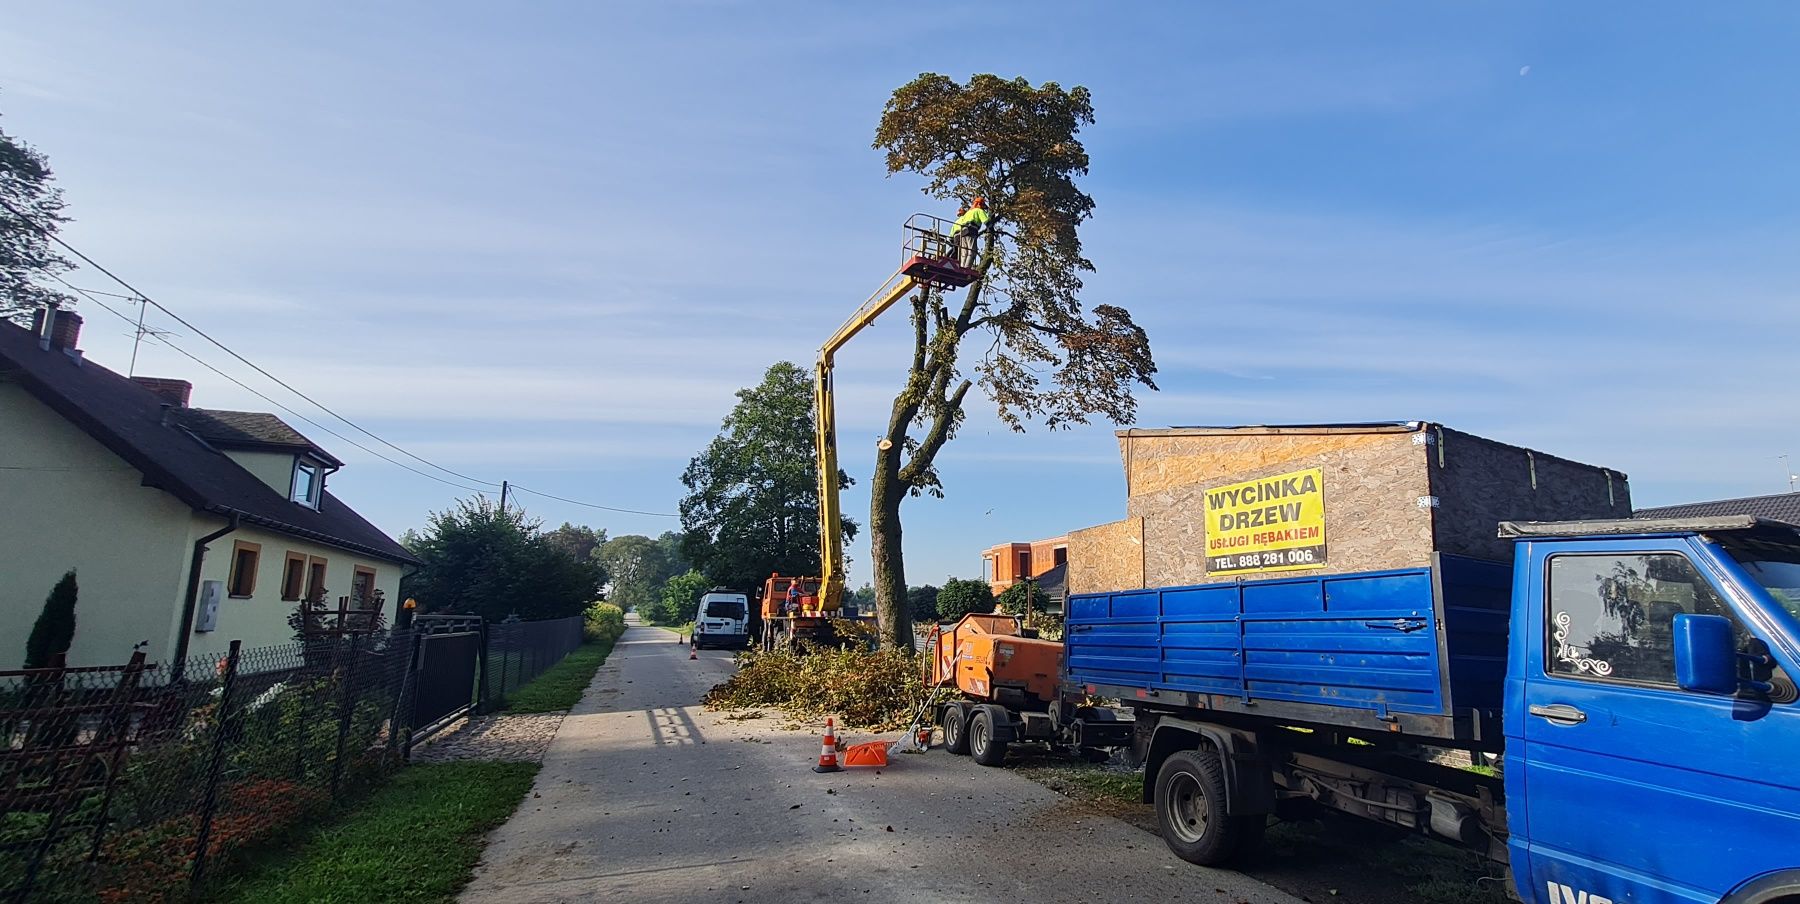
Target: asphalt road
[(645, 796)]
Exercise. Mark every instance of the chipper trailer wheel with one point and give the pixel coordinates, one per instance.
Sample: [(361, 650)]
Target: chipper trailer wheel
[(955, 721), (1191, 813), (990, 731)]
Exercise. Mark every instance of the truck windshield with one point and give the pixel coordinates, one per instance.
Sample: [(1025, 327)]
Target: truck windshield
[(725, 610), (1773, 564)]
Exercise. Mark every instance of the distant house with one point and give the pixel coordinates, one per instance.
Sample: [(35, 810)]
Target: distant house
[(1045, 561), (1779, 507), (187, 527)]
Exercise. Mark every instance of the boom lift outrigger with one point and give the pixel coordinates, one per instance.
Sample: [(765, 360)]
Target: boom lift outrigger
[(928, 262)]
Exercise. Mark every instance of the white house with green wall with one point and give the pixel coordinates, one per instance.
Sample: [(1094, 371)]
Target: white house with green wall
[(187, 528)]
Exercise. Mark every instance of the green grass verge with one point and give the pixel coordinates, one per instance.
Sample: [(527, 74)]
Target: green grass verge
[(1095, 781), (683, 629), (561, 685), (417, 838)]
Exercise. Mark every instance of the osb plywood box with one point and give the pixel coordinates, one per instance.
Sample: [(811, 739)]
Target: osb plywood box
[(1219, 503)]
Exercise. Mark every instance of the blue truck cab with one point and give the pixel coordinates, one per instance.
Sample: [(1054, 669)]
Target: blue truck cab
[(1652, 731), (1636, 678)]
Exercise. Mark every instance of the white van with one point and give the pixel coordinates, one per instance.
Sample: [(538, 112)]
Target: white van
[(723, 619)]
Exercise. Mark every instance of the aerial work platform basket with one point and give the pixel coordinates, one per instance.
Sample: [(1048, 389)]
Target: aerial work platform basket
[(930, 254)]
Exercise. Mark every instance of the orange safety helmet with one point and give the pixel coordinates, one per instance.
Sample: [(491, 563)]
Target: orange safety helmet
[(978, 202)]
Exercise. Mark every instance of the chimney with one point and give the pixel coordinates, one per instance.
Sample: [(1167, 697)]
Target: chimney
[(39, 328), (175, 392), (64, 332)]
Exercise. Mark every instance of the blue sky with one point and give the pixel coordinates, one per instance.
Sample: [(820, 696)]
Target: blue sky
[(546, 243)]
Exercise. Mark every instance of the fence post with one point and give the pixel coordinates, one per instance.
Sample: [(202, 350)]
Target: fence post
[(481, 670), (411, 690), (394, 726), (345, 707), (210, 802), (115, 731)]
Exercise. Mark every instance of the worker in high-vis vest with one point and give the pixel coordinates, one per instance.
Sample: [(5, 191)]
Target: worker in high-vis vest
[(968, 228)]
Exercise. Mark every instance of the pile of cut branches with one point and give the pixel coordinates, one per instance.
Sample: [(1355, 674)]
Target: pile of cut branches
[(872, 690)]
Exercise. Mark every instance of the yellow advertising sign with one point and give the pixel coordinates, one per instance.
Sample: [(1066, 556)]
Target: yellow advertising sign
[(1267, 524)]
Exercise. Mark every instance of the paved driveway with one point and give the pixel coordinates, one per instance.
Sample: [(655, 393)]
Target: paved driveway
[(645, 796)]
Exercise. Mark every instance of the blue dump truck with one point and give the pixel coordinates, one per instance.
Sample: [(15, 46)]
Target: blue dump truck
[(1635, 677)]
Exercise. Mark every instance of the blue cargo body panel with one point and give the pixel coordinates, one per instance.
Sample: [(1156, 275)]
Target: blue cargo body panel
[(1377, 641)]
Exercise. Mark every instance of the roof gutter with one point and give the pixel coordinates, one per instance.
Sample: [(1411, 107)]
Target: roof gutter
[(179, 661), (323, 538)]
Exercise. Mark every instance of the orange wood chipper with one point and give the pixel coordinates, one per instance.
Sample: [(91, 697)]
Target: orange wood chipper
[(1012, 682)]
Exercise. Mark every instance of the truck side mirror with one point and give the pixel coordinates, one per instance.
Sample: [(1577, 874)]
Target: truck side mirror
[(1705, 656)]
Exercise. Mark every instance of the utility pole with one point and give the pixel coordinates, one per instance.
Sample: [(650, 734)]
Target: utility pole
[(504, 486)]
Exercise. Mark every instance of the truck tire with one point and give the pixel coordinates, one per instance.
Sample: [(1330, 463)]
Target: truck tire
[(990, 731), (955, 721), (1191, 813)]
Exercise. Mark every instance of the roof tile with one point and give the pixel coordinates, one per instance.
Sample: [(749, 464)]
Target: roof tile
[(1779, 507)]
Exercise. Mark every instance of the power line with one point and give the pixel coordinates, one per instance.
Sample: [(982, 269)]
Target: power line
[(607, 508), (228, 350), (161, 336), (93, 291), (184, 353)]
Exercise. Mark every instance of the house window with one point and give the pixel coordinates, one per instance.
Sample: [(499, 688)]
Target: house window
[(987, 569), (293, 576), (315, 578), (242, 582), (309, 482), (1024, 565), (362, 587), (1059, 556)]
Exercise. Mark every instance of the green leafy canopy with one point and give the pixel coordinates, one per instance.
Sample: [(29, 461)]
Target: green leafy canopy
[(752, 505), (26, 254), (1016, 145), (482, 560)]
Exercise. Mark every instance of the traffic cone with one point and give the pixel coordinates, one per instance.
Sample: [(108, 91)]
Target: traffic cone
[(693, 653), (828, 752)]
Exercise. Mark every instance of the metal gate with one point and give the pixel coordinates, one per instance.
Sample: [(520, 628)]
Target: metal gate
[(450, 650)]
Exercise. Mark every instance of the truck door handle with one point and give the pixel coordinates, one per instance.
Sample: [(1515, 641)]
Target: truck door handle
[(1403, 625), (1559, 713)]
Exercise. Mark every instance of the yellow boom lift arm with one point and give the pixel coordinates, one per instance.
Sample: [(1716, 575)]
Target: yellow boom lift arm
[(929, 262)]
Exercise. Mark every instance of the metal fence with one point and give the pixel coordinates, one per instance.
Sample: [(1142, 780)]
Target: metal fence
[(131, 782), (518, 651)]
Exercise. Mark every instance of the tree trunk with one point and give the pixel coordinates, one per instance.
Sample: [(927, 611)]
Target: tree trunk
[(885, 552)]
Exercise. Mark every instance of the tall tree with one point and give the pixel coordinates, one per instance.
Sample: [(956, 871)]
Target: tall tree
[(578, 540), (54, 630), (753, 494), (960, 597), (675, 558), (485, 561), (637, 567), (26, 254), (1043, 356), (678, 600), (922, 602)]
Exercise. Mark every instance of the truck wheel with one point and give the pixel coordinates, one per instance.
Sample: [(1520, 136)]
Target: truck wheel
[(1191, 814), (990, 731), (956, 729)]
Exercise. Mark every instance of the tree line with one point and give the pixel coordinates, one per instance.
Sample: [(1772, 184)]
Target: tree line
[(481, 559)]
